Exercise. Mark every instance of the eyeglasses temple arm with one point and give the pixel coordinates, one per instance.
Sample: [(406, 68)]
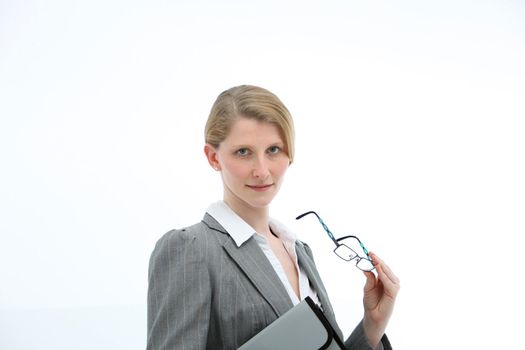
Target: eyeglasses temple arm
[(330, 234)]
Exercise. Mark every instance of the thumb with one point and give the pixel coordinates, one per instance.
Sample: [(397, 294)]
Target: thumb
[(370, 281)]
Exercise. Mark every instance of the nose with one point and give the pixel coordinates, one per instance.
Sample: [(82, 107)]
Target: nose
[(261, 169)]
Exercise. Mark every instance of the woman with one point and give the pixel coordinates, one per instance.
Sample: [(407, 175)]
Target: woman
[(218, 283)]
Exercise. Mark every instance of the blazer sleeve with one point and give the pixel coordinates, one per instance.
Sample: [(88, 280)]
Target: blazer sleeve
[(358, 340), (179, 293)]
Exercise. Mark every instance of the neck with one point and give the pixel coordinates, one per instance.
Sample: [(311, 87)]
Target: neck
[(258, 218)]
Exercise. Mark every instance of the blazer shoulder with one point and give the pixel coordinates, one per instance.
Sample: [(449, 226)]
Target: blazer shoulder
[(194, 235), (193, 231)]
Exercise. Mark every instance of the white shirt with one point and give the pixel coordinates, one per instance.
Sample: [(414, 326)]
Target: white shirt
[(240, 232)]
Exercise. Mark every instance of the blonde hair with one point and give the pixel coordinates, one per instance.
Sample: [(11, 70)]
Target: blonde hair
[(249, 102)]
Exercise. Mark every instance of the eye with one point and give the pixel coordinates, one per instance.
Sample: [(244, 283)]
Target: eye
[(274, 149), (242, 152)]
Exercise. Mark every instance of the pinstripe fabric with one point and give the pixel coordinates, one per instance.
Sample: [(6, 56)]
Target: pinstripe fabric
[(204, 292)]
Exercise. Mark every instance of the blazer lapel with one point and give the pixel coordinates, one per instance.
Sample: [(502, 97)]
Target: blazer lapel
[(252, 261), (306, 263)]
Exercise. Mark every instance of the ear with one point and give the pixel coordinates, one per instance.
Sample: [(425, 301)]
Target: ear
[(211, 155)]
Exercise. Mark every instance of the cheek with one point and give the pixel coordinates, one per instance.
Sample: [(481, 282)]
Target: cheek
[(282, 166), (234, 169)]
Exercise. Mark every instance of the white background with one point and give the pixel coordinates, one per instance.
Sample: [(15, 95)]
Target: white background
[(410, 132)]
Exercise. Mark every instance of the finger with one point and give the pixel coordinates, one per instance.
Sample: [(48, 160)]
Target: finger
[(375, 258), (390, 287), (377, 261), (370, 281), (390, 274)]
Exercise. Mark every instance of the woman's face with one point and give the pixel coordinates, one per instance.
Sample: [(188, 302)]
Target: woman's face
[(252, 162)]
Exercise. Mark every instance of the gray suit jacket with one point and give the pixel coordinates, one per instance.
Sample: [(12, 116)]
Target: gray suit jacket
[(204, 292)]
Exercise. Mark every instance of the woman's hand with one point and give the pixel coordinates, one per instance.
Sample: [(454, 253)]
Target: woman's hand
[(379, 298)]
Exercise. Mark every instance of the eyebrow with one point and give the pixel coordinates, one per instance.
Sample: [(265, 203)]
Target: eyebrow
[(278, 143)]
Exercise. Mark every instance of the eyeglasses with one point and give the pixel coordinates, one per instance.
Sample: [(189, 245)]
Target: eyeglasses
[(342, 250)]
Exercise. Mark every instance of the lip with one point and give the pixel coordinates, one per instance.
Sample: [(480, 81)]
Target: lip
[(260, 188)]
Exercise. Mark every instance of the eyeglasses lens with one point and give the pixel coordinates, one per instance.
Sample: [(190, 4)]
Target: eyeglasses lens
[(365, 264), (345, 253)]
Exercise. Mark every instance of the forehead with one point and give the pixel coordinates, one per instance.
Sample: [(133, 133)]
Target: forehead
[(252, 131)]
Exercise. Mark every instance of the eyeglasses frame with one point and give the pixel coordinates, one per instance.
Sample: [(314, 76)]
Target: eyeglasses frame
[(337, 240)]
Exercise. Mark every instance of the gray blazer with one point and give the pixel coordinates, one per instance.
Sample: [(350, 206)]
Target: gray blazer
[(204, 292)]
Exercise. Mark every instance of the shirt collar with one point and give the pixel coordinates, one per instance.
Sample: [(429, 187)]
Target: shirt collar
[(239, 230)]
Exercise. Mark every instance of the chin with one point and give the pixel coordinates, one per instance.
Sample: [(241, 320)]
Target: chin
[(260, 203), (252, 200)]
